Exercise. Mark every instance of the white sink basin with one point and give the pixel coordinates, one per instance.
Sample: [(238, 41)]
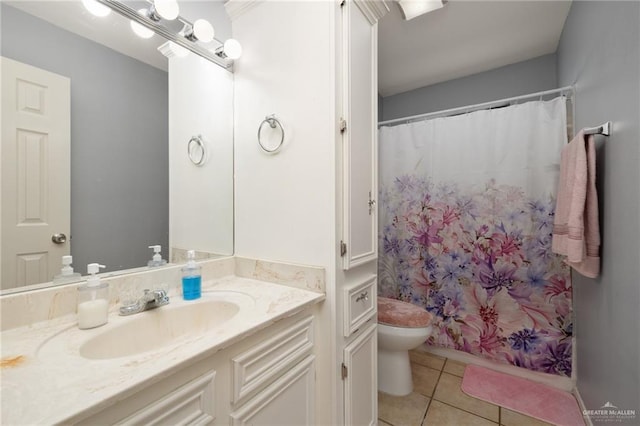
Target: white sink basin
[(158, 327), (153, 329)]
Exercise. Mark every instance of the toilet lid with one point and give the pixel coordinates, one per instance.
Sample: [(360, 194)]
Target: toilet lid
[(402, 314)]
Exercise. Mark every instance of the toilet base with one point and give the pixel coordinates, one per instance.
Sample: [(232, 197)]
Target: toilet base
[(394, 372)]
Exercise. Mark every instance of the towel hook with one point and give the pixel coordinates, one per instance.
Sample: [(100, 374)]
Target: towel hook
[(273, 122)]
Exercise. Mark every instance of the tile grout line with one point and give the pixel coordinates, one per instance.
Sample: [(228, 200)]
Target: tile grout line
[(469, 412), (459, 408), (433, 394)]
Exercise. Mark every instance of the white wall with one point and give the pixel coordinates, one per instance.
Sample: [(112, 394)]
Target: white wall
[(521, 78), (200, 197), (286, 202)]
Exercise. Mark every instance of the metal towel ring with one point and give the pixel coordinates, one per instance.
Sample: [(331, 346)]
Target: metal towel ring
[(195, 159), (273, 123)]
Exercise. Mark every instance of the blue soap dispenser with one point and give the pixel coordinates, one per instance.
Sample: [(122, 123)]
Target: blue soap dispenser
[(191, 278)]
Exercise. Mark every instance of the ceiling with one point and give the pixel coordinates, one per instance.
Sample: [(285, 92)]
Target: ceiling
[(464, 38)]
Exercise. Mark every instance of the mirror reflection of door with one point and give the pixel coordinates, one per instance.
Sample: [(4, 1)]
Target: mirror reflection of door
[(35, 173)]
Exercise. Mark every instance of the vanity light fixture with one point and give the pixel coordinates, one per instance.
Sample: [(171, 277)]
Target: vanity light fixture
[(200, 30), (413, 8), (231, 49), (95, 8), (153, 20), (139, 30)]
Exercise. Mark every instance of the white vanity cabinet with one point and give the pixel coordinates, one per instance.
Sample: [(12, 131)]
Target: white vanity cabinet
[(265, 379)]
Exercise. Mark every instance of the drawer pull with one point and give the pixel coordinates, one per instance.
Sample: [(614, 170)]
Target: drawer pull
[(363, 296)]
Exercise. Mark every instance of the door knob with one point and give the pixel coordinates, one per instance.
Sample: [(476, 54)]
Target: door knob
[(59, 238)]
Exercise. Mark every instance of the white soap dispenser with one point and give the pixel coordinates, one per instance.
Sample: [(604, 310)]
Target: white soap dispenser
[(93, 300), (66, 273), (157, 259)]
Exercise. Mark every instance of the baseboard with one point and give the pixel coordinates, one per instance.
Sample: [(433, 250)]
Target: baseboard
[(576, 394), (562, 383)]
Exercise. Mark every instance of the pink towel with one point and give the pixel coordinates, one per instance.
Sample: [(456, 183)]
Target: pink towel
[(576, 232)]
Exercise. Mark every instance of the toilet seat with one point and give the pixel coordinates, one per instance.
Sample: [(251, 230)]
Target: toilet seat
[(397, 313)]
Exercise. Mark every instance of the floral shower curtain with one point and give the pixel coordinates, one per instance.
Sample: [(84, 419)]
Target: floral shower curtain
[(465, 231)]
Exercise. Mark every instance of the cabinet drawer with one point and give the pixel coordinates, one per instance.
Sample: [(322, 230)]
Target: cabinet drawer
[(360, 304), (192, 403), (263, 363)]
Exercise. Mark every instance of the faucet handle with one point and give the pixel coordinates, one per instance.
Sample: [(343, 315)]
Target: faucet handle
[(160, 297)]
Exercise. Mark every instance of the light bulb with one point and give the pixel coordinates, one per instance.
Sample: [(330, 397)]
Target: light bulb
[(141, 31), (95, 8), (203, 30), (232, 49), (167, 9)]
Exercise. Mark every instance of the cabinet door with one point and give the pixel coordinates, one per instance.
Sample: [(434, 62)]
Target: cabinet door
[(360, 383), (287, 401), (359, 136)]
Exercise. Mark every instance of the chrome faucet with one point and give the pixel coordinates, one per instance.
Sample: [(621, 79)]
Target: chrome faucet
[(150, 300)]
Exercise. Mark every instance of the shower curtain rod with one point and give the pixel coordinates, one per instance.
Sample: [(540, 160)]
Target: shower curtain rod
[(567, 91)]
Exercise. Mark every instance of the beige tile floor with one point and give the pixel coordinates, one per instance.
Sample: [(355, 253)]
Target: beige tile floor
[(438, 401)]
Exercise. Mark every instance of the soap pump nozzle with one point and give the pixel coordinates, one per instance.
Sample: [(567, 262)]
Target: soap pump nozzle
[(92, 270), (157, 259), (191, 258), (67, 269), (66, 273)]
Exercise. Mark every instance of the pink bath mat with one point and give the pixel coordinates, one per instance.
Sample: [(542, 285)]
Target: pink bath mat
[(524, 396)]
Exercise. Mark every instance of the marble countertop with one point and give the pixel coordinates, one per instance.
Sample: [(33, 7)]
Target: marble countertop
[(45, 380)]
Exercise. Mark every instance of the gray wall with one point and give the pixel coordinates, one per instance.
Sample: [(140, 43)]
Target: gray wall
[(119, 141), (525, 77), (599, 53)]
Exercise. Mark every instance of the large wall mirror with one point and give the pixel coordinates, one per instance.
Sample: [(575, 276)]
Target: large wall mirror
[(123, 177)]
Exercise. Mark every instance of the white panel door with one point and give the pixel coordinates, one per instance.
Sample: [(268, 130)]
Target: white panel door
[(35, 173), (289, 401), (361, 381), (359, 137)]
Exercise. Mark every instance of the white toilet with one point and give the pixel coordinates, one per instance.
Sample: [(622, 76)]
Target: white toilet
[(401, 327)]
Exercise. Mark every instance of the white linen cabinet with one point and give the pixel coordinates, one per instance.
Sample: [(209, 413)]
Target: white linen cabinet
[(359, 230), (359, 65)]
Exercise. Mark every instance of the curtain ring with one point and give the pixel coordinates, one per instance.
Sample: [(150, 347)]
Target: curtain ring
[(273, 123), (198, 160)]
